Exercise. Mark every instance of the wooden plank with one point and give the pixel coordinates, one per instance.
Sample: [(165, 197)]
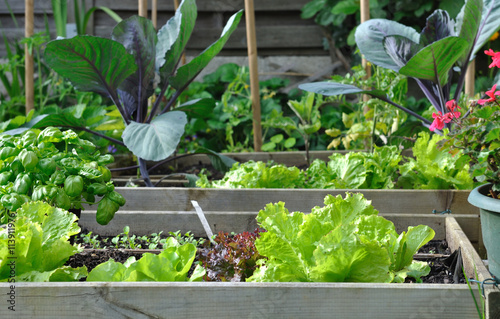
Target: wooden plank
[(395, 201), (268, 37), (147, 222), (248, 300), (473, 264), (212, 5)]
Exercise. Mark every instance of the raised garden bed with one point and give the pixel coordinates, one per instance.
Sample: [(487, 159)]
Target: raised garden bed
[(276, 300), (234, 210)]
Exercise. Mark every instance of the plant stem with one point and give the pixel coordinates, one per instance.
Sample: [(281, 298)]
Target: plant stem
[(144, 172)]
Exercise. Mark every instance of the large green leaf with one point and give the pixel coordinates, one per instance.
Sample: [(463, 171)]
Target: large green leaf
[(76, 59), (189, 71), (44, 120), (138, 36), (173, 37), (157, 140), (489, 23), (332, 89), (468, 24), (370, 37), (435, 60)]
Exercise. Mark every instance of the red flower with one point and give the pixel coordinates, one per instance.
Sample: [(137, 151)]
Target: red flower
[(452, 105), (491, 93), (496, 57), (439, 121)]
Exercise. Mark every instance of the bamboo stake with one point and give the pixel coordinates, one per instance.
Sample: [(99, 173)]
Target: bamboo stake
[(154, 12), (365, 16), (143, 8), (469, 79), (254, 75), (28, 62)]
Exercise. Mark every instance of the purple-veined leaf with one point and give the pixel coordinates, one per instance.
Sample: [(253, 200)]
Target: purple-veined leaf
[(489, 23), (157, 140), (438, 26), (370, 37), (138, 36), (173, 37), (189, 71), (400, 49), (434, 62), (468, 21), (333, 89), (91, 63)]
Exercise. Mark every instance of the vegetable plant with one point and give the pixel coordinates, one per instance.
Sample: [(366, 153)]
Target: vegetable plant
[(41, 233), (434, 57), (124, 67), (230, 257), (57, 167), (172, 264), (344, 241), (384, 168)]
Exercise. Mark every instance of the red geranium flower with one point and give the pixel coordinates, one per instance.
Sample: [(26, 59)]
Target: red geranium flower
[(496, 58), (439, 121), (491, 93)]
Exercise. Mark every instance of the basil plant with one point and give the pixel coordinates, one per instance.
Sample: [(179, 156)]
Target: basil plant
[(125, 69), (56, 167), (433, 57)]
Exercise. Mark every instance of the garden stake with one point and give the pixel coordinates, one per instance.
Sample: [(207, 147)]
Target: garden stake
[(203, 220), (254, 73), (29, 63), (143, 8)]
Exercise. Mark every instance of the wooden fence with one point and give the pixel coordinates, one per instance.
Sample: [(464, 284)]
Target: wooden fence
[(279, 27)]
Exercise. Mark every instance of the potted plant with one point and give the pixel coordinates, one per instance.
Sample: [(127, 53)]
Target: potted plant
[(477, 135)]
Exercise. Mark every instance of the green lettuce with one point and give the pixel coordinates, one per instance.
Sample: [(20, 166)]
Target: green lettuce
[(434, 168), (172, 264), (344, 241), (258, 174), (35, 245)]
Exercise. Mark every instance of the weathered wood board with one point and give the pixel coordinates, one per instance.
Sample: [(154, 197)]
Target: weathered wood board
[(252, 300), (280, 29), (171, 209)]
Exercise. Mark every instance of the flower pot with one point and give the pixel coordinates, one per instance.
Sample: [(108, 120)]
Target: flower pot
[(490, 224)]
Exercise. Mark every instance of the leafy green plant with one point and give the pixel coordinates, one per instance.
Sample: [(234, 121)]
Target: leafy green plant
[(345, 240), (123, 68), (82, 16), (172, 264), (307, 110), (339, 18), (230, 257), (384, 168), (258, 174), (431, 57), (41, 233), (434, 168), (57, 167), (356, 170)]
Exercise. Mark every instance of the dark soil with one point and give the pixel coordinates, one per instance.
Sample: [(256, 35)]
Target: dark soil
[(444, 268)]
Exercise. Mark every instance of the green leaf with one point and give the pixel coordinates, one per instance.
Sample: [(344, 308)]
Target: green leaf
[(173, 37), (468, 22), (489, 23), (157, 140), (76, 60), (220, 162), (189, 71), (333, 89), (138, 36), (370, 37), (435, 60)]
